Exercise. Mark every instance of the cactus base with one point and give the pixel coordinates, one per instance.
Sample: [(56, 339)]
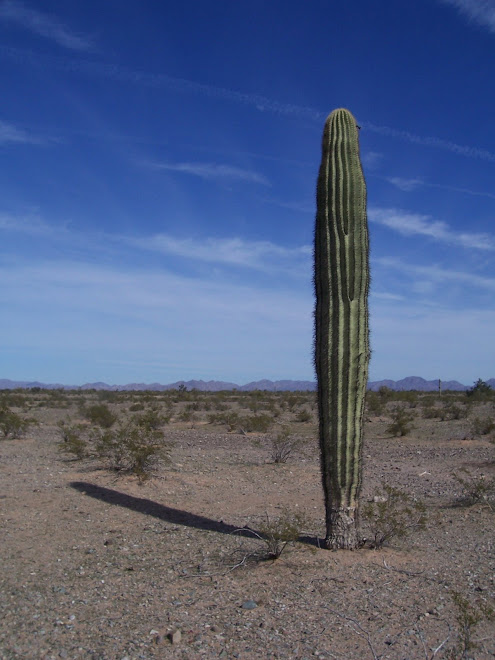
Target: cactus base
[(341, 530)]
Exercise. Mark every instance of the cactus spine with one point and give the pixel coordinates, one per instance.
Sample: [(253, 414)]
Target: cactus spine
[(341, 278)]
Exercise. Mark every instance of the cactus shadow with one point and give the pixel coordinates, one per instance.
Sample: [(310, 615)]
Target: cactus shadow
[(169, 514), (150, 508)]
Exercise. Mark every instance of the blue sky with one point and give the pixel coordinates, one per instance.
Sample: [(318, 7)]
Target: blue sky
[(158, 165)]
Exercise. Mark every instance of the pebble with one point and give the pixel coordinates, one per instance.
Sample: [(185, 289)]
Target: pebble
[(175, 637), (249, 605)]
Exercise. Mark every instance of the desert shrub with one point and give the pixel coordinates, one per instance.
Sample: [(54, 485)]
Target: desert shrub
[(430, 411), (392, 515), (220, 406), (456, 412), (483, 425), (468, 617), (480, 390), (283, 445), (185, 416), (136, 407), (230, 419), (385, 393), (255, 423), (131, 447), (292, 401), (277, 533), (151, 418), (100, 414), (303, 416), (73, 439), (108, 396), (274, 535), (475, 488), (374, 403), (407, 396), (401, 422), (13, 399), (13, 425)]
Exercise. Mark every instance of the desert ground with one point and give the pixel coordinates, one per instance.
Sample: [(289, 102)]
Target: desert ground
[(104, 558)]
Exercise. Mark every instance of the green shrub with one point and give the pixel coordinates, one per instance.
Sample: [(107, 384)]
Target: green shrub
[(374, 403), (131, 448), (73, 440), (456, 412), (480, 390), (13, 425), (13, 399), (255, 423), (468, 617), (401, 422), (303, 416), (274, 535), (475, 489), (152, 419), (100, 414), (230, 419), (392, 515), (483, 425), (430, 411)]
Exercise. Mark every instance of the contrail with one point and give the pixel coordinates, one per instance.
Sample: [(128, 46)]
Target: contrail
[(470, 152), (261, 103)]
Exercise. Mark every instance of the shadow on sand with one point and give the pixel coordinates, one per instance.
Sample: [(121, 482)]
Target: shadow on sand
[(168, 514)]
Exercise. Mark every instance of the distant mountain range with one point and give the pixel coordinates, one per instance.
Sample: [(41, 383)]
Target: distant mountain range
[(410, 383)]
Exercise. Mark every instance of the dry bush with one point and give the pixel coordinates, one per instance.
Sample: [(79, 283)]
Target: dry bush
[(13, 425), (392, 515), (401, 422), (475, 489), (100, 414), (273, 536), (483, 425), (135, 446), (283, 445), (468, 617), (73, 438), (255, 423)]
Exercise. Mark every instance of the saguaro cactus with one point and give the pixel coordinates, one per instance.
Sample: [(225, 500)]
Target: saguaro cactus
[(341, 278)]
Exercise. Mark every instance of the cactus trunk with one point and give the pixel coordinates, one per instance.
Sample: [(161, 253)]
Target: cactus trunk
[(341, 278)]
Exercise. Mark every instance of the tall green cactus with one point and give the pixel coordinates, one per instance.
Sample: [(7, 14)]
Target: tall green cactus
[(341, 278)]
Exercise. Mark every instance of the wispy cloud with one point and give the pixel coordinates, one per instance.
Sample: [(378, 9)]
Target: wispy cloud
[(404, 184), (481, 12), (10, 134), (260, 255), (101, 312), (437, 274), (263, 256), (410, 224), (43, 24), (431, 141), (30, 225), (408, 185), (213, 171), (371, 159)]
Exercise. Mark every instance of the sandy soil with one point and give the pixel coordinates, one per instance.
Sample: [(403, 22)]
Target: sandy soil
[(96, 565)]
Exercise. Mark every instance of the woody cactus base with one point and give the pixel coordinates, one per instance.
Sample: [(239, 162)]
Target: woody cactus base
[(341, 278)]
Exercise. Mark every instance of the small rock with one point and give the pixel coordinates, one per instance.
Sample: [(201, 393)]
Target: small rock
[(249, 605), (175, 636)]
